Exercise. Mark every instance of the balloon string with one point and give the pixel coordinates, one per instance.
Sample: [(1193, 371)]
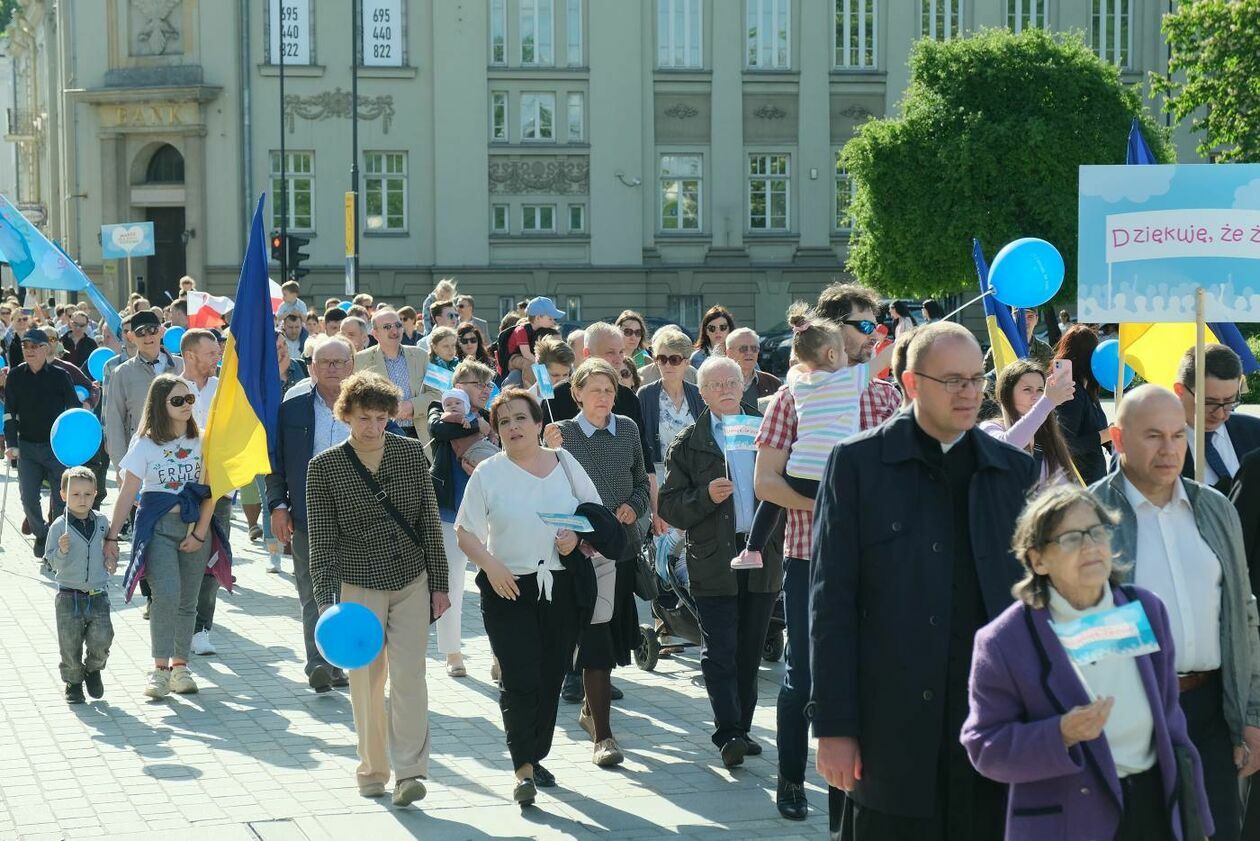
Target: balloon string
[(969, 303)]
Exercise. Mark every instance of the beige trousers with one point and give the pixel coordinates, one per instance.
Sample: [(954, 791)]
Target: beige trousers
[(404, 614)]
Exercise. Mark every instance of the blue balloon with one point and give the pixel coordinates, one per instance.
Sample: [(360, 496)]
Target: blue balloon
[(349, 635), (96, 362), (345, 306), (1026, 273), (172, 339), (1105, 364), (2, 362), (76, 436), (83, 393)]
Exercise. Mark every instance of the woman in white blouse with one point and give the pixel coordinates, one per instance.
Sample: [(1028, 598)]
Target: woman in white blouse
[(527, 596)]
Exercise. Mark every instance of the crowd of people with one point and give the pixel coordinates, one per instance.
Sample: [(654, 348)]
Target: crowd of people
[(929, 534)]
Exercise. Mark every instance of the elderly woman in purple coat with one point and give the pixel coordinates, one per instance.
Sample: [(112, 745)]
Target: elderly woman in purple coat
[(1090, 751)]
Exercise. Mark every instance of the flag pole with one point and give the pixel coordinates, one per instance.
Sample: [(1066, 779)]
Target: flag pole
[(1200, 377), (1119, 392)]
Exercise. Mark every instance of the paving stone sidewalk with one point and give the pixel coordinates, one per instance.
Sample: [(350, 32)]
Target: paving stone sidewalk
[(256, 755)]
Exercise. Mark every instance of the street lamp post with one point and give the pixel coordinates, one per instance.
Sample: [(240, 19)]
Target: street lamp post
[(284, 182), (352, 199)]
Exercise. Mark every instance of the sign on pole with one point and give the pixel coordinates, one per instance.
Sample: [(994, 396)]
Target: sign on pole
[(127, 240), (1150, 236), (351, 202)]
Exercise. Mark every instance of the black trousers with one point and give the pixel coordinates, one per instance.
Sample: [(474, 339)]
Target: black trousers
[(1205, 721), (534, 640), (734, 636), (1145, 815)]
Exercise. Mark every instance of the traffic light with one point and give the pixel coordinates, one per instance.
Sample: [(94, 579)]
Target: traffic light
[(277, 245), (297, 257)]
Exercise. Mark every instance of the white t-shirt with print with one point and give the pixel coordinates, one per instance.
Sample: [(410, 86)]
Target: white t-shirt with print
[(164, 467)]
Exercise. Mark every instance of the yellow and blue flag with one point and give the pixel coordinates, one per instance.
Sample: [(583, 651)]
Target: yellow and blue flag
[(240, 437), (1005, 337)]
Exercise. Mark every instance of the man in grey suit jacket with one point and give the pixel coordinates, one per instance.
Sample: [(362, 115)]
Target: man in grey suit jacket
[(405, 366), (129, 383)]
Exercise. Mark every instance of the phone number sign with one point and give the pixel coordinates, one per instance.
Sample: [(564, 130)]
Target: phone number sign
[(382, 33)]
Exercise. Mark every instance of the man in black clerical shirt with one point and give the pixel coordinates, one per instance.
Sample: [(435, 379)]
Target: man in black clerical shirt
[(911, 557)]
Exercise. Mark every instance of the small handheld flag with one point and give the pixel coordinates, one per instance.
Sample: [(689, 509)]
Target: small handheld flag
[(438, 378), (545, 389)]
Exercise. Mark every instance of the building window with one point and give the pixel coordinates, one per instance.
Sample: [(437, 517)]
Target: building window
[(577, 130), (498, 115), (537, 30), (538, 116), (290, 20), (856, 34), (498, 32), (769, 181), (573, 308), (499, 219), (678, 34), (768, 27), (846, 188), (573, 32), (680, 192), (1112, 35), (1025, 14), (385, 191), (299, 170), (685, 309), (942, 19), (577, 218), (538, 219)]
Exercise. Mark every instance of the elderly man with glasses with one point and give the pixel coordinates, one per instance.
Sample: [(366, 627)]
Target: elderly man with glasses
[(1228, 436), (743, 345), (405, 366), (77, 343)]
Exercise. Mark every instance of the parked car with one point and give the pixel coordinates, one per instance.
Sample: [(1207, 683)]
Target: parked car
[(776, 348)]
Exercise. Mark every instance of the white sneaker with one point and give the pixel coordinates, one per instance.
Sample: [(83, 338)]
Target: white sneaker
[(201, 643), (273, 564), (182, 682), (159, 685)]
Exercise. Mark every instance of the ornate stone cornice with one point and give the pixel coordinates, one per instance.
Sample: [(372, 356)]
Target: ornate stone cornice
[(681, 111), (540, 175), (335, 104), (769, 112)]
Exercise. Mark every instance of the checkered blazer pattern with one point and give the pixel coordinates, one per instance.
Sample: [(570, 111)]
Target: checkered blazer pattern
[(352, 537)]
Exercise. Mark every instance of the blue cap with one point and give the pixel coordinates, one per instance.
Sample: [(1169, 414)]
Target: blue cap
[(543, 306), (35, 336)]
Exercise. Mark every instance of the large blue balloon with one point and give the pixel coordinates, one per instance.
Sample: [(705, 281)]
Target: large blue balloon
[(1026, 273), (172, 339), (2, 362), (349, 635), (96, 362), (76, 436), (1105, 363), (345, 306)]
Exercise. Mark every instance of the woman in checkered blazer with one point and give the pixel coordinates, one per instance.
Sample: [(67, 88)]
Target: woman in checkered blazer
[(361, 553)]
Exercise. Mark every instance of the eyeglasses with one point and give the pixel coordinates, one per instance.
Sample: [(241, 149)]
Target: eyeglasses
[(469, 340), (333, 363), (33, 345), (397, 325), (726, 385), (956, 385), (474, 383), (141, 332), (452, 316), (671, 359), (82, 325), (745, 349), (717, 327), (181, 400), (1072, 541), (1212, 406), (862, 325), (631, 333)]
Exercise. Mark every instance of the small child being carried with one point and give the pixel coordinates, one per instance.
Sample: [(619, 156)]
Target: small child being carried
[(826, 395)]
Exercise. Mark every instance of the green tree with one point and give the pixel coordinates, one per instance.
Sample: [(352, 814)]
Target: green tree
[(1215, 75), (6, 13), (993, 129)]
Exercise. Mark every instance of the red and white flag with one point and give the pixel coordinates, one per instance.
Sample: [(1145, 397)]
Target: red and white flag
[(277, 296), (206, 310)]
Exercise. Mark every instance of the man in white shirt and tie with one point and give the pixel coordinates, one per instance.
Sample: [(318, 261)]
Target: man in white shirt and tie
[(1228, 436), (1183, 541)]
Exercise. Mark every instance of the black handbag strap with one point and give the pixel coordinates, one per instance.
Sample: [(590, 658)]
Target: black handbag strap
[(378, 493)]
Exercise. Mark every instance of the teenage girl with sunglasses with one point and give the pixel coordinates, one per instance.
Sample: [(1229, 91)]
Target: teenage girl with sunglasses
[(470, 346), (716, 325)]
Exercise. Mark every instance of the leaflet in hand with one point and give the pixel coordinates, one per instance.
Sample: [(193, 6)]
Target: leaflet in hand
[(572, 522), (1119, 632)]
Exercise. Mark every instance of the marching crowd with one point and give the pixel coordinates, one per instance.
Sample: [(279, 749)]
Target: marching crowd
[(930, 525)]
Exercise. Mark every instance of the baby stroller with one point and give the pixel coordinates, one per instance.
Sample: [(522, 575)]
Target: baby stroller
[(676, 610)]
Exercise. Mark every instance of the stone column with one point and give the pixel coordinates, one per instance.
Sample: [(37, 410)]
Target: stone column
[(196, 182)]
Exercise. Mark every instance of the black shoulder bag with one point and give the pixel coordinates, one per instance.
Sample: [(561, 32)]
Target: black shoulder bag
[(374, 488)]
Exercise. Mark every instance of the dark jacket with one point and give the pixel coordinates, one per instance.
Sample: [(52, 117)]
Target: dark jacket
[(650, 405), (1244, 434), (691, 463), (763, 385), (1081, 419), (563, 407), (444, 462), (1246, 499), (1021, 684), (77, 354), (881, 600)]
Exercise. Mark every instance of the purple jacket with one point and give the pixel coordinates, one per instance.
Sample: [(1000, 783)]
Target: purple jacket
[(1021, 683)]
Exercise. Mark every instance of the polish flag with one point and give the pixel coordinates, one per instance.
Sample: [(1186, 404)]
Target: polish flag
[(277, 296), (206, 310)]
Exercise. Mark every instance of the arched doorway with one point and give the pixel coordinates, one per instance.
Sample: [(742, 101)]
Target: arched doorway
[(169, 261)]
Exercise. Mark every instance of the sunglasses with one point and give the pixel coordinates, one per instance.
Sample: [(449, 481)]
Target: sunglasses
[(145, 331), (397, 325), (863, 326), (33, 345), (188, 399), (452, 316), (717, 327), (671, 359), (469, 340), (630, 331), (749, 349), (82, 325)]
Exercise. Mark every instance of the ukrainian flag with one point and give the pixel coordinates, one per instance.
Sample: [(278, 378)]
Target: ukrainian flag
[(240, 437), (1005, 337)]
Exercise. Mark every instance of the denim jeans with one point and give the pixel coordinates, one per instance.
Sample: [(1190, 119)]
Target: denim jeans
[(82, 623), (37, 464)]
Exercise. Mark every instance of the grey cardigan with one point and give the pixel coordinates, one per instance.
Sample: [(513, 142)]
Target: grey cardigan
[(1219, 526), (83, 567)]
